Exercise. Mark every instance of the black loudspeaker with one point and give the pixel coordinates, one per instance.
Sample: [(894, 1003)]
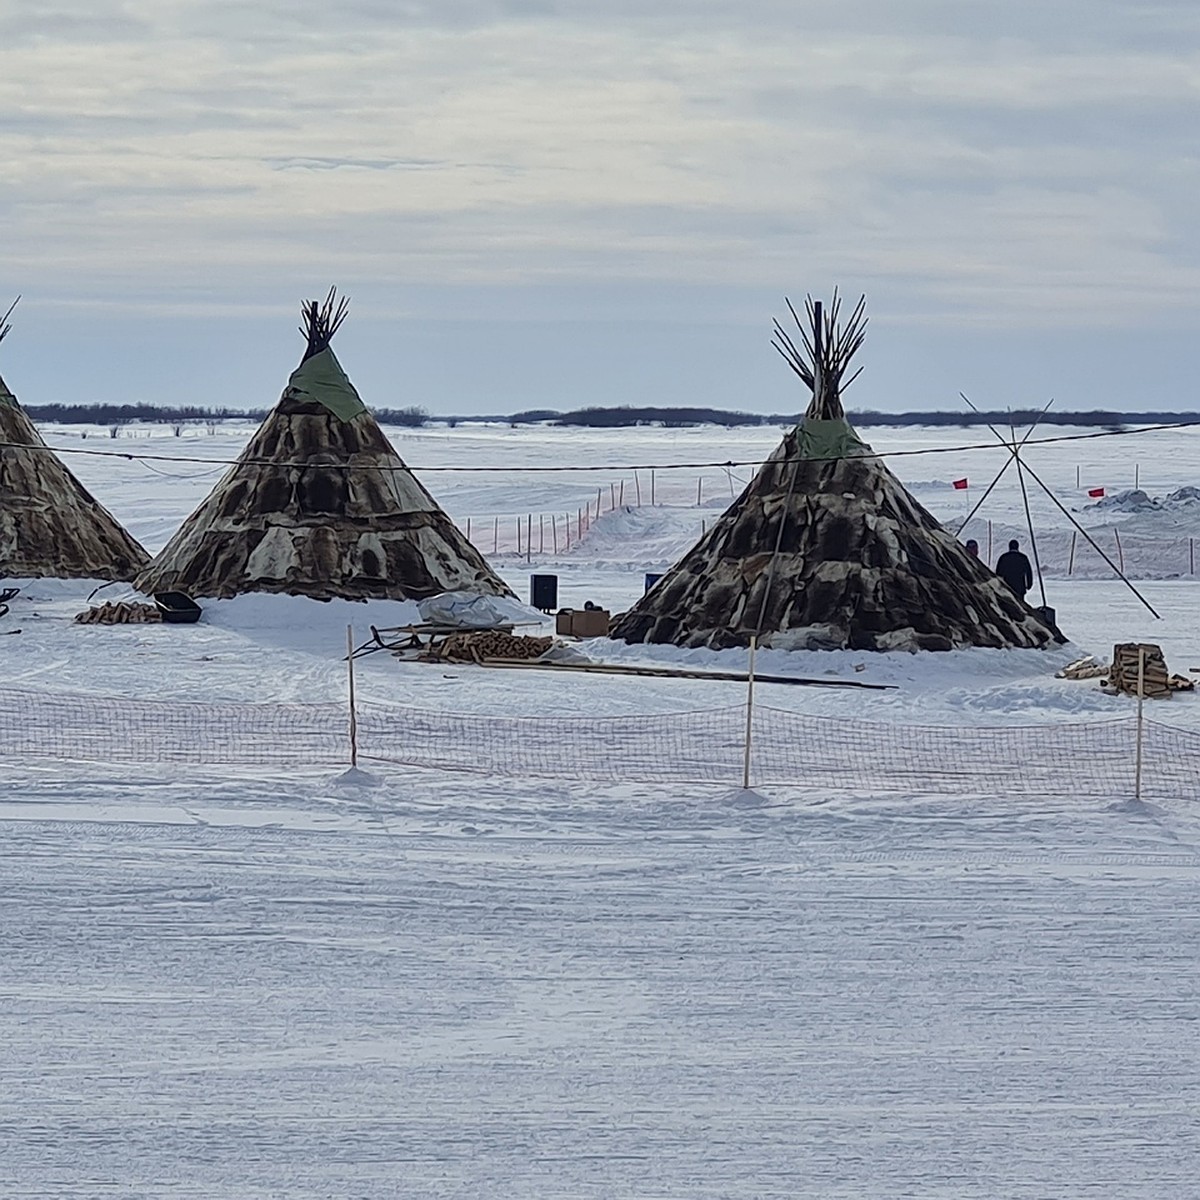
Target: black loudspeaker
[(543, 592)]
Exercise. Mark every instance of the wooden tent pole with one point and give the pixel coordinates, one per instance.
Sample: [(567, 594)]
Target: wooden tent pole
[(1007, 462), (1091, 541), (1037, 562)]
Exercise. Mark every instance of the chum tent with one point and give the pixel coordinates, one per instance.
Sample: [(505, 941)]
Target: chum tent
[(50, 525), (825, 548), (319, 504)]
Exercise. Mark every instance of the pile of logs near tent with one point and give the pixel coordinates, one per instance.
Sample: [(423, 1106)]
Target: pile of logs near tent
[(1139, 668), (119, 612)]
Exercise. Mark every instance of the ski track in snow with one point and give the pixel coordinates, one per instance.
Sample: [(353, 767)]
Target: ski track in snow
[(266, 984)]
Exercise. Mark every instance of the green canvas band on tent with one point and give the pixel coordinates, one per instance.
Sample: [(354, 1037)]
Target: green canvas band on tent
[(322, 379), (830, 439)]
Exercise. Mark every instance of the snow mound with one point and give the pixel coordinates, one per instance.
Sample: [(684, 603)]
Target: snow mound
[(1134, 500)]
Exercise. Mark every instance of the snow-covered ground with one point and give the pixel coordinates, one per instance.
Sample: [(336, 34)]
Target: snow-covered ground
[(265, 981)]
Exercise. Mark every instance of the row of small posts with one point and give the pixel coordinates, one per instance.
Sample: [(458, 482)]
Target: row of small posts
[(1120, 552)]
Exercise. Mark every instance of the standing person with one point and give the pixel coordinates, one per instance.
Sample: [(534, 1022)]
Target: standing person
[(1013, 567), (972, 547)]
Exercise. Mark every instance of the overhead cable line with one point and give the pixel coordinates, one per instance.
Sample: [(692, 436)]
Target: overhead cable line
[(560, 469)]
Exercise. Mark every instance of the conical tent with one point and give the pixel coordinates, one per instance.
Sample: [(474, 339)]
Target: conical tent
[(319, 504), (826, 549), (50, 525)]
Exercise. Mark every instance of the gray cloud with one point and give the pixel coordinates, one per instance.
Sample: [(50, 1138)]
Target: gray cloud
[(973, 165)]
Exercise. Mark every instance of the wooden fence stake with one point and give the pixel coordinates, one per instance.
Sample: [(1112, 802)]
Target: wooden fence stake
[(528, 537), (496, 535), (1120, 552), (651, 487), (1137, 762), (353, 712), (1071, 559), (699, 484), (621, 495), (637, 489), (749, 715)]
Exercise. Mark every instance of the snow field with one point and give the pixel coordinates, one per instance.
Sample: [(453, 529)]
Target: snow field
[(263, 982)]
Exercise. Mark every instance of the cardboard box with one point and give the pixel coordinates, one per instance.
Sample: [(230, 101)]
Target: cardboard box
[(582, 622)]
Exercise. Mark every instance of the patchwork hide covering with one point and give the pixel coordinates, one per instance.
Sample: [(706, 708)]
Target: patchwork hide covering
[(319, 504), (860, 565), (50, 525), (825, 549)]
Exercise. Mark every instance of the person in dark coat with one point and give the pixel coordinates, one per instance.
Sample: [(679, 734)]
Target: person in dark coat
[(1013, 567), (972, 547)]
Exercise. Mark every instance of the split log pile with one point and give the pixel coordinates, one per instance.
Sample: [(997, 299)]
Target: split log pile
[(120, 612), (1088, 667), (1157, 681), (487, 644)]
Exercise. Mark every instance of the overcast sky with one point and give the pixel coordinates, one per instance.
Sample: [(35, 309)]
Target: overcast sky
[(548, 203)]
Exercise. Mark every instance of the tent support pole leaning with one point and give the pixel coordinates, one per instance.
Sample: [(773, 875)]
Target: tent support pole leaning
[(1007, 461), (1013, 451), (1091, 541), (1037, 562)]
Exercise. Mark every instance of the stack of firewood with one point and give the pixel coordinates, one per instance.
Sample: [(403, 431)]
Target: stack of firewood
[(1088, 667), (120, 612), (1157, 681), (483, 644)]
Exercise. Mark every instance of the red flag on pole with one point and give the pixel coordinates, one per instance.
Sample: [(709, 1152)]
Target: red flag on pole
[(1097, 492), (960, 484)]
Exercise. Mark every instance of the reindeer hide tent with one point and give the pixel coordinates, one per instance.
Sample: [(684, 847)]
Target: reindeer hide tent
[(50, 526), (319, 504), (825, 549)]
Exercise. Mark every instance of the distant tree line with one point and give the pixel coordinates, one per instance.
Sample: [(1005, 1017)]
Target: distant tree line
[(125, 414), (158, 414), (627, 416), (607, 418), (623, 416)]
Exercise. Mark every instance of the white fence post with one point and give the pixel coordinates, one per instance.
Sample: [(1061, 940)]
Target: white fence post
[(353, 712), (749, 715), (1137, 761)]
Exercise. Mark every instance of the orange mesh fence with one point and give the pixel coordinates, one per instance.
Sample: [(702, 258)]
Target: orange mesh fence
[(1092, 760)]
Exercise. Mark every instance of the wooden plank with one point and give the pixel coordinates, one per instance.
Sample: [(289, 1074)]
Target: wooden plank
[(677, 673)]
